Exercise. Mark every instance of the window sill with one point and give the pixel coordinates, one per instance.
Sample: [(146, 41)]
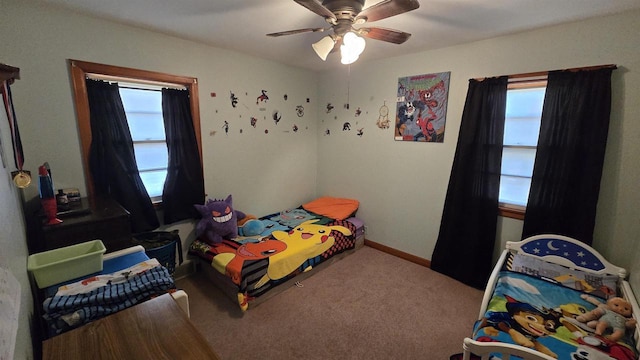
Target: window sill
[(511, 211)]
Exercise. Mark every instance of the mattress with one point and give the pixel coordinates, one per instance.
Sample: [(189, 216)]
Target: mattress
[(539, 308)]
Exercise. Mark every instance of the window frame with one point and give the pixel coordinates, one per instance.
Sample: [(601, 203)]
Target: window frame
[(80, 70), (511, 210)]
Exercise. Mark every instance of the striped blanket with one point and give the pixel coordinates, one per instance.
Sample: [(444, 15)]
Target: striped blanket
[(64, 312)]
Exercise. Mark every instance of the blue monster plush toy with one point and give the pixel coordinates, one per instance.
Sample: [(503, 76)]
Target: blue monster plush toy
[(252, 227), (219, 221)]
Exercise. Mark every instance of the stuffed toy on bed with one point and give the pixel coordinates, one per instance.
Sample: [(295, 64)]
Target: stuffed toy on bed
[(614, 315), (219, 221)]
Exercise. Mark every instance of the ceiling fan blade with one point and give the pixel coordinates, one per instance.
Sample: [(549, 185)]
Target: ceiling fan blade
[(388, 35), (298, 31), (317, 7), (387, 8)]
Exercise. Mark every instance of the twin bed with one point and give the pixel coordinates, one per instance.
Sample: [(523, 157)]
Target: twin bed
[(535, 294), (294, 242)]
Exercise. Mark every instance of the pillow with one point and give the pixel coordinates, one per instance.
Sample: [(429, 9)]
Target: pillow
[(335, 208), (600, 285)]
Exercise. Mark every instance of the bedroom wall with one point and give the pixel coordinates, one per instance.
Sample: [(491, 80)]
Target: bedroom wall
[(13, 242), (402, 185), (265, 172), (253, 166)]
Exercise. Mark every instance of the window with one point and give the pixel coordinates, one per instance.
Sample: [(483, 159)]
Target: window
[(143, 105), (522, 126)]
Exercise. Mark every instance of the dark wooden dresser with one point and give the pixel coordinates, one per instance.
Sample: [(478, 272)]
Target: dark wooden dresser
[(103, 219)]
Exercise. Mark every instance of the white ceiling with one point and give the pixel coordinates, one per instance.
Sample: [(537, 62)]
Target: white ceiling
[(241, 25)]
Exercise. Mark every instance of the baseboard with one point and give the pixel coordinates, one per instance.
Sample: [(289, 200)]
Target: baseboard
[(401, 254), (185, 269)]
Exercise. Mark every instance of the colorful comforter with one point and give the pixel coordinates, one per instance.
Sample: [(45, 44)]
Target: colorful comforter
[(540, 314), (294, 241), (72, 306)]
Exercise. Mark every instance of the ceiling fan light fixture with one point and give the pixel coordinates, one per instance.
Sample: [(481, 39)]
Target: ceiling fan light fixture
[(351, 48), (324, 46)]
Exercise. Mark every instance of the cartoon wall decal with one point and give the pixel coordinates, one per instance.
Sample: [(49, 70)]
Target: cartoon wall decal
[(422, 107), (308, 100), (253, 121), (358, 112), (346, 126), (233, 98), (383, 118), (226, 127), (360, 132), (277, 116), (266, 131), (286, 97), (295, 128), (300, 110), (329, 108), (327, 132), (262, 98)]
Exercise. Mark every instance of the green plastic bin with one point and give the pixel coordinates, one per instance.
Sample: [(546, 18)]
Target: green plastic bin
[(66, 263)]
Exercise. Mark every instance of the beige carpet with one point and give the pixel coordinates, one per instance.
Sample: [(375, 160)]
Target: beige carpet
[(369, 305)]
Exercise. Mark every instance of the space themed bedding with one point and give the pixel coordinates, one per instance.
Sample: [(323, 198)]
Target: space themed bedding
[(292, 242), (552, 297)]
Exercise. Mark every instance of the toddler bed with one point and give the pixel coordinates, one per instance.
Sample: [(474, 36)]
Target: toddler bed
[(128, 277), (294, 242), (536, 301)]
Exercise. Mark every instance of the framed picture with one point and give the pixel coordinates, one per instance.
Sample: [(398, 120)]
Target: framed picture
[(421, 107)]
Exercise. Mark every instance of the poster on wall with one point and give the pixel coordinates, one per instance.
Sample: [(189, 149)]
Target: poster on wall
[(421, 109)]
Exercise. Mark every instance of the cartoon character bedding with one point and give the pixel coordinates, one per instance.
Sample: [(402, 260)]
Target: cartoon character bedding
[(291, 242), (544, 306)]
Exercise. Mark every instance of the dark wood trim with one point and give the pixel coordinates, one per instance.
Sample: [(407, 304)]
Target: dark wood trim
[(79, 72), (9, 73), (510, 212), (401, 254)]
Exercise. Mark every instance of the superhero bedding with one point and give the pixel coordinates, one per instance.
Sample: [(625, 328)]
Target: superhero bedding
[(293, 242), (531, 307)]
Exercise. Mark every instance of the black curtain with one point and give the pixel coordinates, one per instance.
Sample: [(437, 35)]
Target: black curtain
[(111, 158), (468, 228), (568, 166), (184, 185)]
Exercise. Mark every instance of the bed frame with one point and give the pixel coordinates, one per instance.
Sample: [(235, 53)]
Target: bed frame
[(230, 290), (180, 296), (484, 349)]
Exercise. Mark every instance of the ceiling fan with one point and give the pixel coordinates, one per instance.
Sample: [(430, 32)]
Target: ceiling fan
[(342, 15)]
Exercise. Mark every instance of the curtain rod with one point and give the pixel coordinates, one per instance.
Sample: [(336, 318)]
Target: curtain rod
[(533, 76), (160, 84)]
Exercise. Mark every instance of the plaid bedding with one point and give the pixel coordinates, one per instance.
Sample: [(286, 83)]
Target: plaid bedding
[(65, 312)]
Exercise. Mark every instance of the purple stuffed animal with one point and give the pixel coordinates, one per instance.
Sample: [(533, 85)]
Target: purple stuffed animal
[(219, 221)]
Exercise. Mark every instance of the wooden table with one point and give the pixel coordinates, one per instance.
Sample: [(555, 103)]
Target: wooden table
[(155, 329)]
